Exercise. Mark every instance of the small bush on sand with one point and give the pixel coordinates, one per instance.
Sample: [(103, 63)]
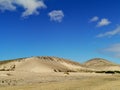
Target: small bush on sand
[(67, 73), (55, 70)]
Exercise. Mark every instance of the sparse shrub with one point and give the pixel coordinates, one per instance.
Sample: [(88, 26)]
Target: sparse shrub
[(59, 70), (55, 70), (110, 72), (70, 71), (100, 72), (117, 72), (67, 73), (2, 81), (8, 74)]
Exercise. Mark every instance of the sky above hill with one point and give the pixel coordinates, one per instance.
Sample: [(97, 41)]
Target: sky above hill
[(76, 29)]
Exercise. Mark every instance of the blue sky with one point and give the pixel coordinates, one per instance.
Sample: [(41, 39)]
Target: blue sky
[(78, 30)]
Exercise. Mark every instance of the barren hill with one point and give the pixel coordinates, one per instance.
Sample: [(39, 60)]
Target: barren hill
[(98, 62), (41, 64), (102, 64)]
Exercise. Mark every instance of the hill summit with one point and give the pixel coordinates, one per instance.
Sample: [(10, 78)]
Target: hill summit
[(98, 62)]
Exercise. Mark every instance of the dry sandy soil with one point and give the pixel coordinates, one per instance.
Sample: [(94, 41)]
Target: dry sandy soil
[(61, 81)]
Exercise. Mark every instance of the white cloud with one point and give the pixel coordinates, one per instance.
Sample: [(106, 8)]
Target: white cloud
[(103, 22), (7, 5), (30, 6), (94, 19), (110, 33), (113, 50), (56, 15)]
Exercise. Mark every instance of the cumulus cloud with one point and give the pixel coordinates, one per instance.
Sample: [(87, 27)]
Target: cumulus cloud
[(110, 33), (113, 50), (30, 6), (103, 22), (56, 15), (94, 19)]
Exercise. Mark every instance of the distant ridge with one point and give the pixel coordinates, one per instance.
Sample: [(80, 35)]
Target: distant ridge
[(101, 64), (98, 62)]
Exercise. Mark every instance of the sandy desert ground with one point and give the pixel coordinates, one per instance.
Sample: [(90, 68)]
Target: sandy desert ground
[(60, 81)]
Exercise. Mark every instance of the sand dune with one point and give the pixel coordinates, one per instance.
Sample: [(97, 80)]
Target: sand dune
[(42, 64), (102, 64)]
